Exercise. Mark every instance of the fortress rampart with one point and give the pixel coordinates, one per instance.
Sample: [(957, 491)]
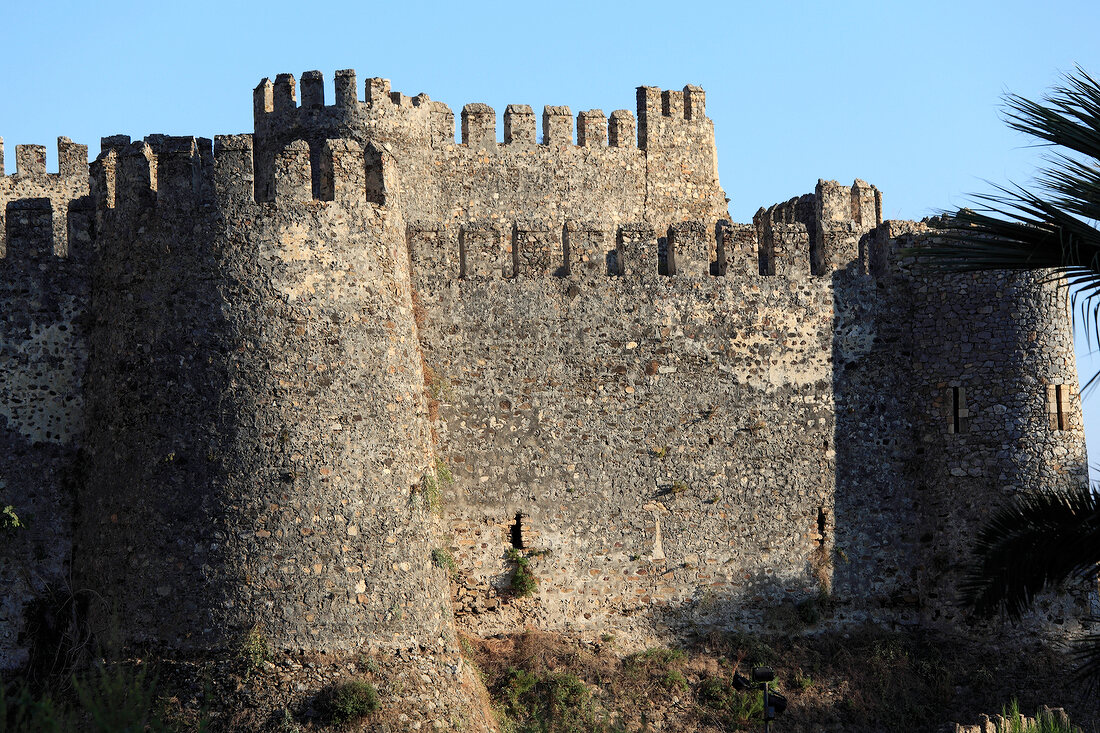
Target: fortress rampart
[(239, 371)]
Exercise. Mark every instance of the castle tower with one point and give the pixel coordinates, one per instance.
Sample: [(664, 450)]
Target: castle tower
[(661, 169), (258, 441), (996, 410), (45, 248)]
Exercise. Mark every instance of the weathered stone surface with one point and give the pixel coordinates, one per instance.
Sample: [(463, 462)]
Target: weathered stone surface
[(256, 378)]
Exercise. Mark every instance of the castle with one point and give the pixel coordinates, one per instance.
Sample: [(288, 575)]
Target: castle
[(264, 380)]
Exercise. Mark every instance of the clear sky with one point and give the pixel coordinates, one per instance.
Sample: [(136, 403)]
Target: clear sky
[(905, 95)]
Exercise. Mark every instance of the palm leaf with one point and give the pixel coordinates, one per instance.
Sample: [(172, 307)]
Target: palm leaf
[(1036, 543), (1053, 228), (1086, 656)]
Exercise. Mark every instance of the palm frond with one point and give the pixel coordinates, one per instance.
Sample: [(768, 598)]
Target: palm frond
[(1068, 117), (1035, 543), (1085, 654), (1018, 229), (1052, 228)]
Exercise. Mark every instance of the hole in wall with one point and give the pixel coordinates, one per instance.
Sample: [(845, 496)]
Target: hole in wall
[(516, 533), (1060, 407), (374, 179), (822, 521), (955, 408)]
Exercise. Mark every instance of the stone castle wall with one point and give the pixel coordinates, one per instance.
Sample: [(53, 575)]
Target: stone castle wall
[(45, 220), (286, 341), (660, 166)]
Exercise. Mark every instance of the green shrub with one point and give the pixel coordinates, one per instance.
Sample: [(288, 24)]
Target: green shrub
[(812, 610), (674, 679), (252, 650), (524, 582), (662, 656), (755, 650), (22, 712), (344, 702), (554, 702)]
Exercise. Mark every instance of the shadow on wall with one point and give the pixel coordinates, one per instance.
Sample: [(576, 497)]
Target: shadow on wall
[(940, 388), (43, 299), (876, 549), (163, 410)]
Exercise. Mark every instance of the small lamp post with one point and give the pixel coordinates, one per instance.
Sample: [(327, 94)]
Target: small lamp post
[(774, 703)]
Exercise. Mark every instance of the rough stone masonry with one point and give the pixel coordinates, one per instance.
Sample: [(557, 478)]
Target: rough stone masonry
[(263, 380)]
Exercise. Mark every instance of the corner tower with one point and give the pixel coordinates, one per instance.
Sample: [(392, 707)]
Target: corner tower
[(257, 431)]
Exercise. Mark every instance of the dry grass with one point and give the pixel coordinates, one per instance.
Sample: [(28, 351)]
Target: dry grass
[(862, 680)]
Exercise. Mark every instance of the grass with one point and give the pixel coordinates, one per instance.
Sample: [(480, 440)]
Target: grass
[(728, 707), (860, 680), (429, 492), (105, 698), (1043, 722)]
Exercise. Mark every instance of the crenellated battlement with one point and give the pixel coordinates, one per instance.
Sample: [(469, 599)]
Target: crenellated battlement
[(819, 232), (276, 107), (566, 165), (30, 197), (277, 102), (189, 172), (667, 118), (30, 161), (581, 250)]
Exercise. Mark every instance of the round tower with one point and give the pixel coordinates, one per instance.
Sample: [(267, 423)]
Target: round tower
[(996, 412), (258, 438)]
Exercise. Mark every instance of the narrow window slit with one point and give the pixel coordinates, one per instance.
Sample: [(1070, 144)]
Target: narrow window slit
[(1060, 404), (822, 521), (955, 409), (517, 532), (960, 416), (1057, 406)]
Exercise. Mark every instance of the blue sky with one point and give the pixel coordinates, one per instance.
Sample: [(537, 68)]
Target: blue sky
[(904, 95)]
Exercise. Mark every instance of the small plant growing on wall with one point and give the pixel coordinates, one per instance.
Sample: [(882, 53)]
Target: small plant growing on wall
[(429, 492), (9, 520), (442, 558), (439, 386), (524, 582), (252, 650), (675, 488)]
